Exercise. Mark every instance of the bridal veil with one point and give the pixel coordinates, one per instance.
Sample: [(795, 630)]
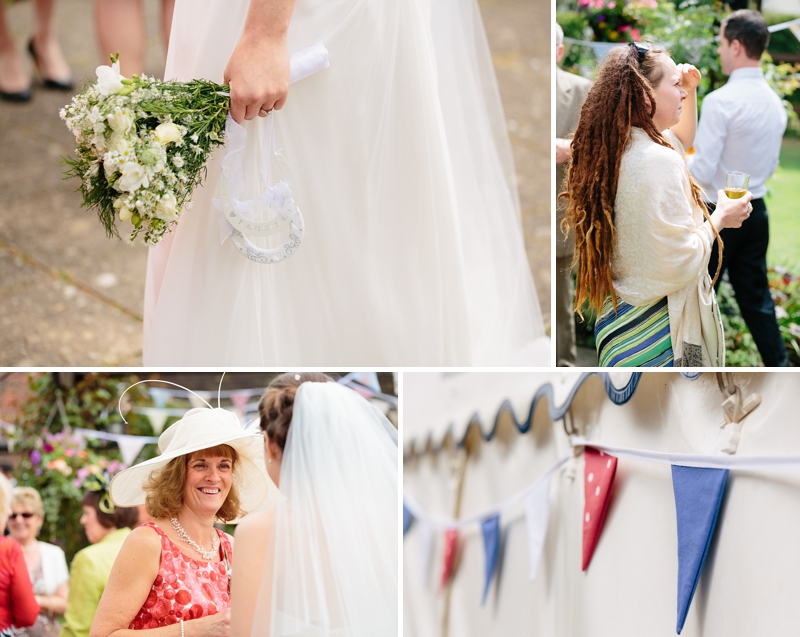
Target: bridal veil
[(334, 570)]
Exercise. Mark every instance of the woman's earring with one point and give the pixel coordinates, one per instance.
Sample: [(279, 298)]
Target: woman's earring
[(269, 460)]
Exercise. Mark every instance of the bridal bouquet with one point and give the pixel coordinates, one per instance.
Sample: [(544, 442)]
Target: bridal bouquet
[(142, 145)]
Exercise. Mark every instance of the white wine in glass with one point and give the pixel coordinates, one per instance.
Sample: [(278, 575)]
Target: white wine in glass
[(736, 184)]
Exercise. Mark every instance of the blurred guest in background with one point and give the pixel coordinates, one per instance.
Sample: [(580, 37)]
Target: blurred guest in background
[(15, 85), (571, 91), (741, 129), (46, 563), (106, 527), (18, 605), (121, 28)]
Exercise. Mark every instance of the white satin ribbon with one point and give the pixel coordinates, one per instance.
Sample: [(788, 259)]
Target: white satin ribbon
[(246, 218), (761, 463)]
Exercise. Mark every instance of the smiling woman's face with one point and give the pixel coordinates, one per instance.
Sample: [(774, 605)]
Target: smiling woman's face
[(208, 481)]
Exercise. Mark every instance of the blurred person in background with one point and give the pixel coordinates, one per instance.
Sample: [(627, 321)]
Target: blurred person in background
[(46, 563), (741, 129), (571, 92), (106, 527), (18, 605), (15, 84), (121, 28)]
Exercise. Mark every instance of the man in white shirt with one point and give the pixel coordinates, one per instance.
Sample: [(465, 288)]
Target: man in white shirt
[(741, 128)]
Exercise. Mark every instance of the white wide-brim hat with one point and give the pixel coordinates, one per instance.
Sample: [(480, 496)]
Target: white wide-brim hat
[(200, 429)]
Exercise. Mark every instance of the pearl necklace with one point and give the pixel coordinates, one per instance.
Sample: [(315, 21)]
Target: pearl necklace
[(207, 555)]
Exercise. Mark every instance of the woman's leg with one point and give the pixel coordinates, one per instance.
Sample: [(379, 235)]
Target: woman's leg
[(13, 78), (167, 7), (48, 52), (120, 27)]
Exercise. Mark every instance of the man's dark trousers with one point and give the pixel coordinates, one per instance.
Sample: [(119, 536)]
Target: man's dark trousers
[(744, 256)]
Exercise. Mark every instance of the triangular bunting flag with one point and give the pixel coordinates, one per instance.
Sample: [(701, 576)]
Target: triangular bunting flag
[(239, 400), (157, 416), (491, 545), (537, 512), (425, 547), (129, 447), (160, 396), (408, 518), (598, 479), (197, 399), (449, 555), (698, 495)]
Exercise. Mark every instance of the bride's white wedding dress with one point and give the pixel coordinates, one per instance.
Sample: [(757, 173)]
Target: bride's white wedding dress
[(413, 252)]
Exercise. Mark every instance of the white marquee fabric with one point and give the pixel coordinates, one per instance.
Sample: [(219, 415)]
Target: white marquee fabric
[(749, 586)]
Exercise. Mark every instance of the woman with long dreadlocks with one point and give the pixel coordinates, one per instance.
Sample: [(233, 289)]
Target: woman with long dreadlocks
[(643, 236)]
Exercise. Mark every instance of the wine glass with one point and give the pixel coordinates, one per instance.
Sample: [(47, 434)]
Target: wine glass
[(736, 184)]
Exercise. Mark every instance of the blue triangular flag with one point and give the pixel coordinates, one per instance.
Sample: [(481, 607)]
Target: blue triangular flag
[(491, 545), (698, 495), (408, 518)]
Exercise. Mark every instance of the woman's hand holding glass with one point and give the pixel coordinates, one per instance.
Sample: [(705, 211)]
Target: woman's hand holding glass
[(731, 213)]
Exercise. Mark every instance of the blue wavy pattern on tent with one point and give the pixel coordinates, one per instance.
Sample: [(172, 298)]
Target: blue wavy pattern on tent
[(619, 396)]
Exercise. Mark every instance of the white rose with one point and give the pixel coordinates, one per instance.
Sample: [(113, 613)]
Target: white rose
[(134, 176), (119, 144), (109, 79), (120, 121), (166, 208), (167, 133), (124, 212)]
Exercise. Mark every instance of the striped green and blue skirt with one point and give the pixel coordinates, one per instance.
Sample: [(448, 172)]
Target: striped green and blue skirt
[(633, 336)]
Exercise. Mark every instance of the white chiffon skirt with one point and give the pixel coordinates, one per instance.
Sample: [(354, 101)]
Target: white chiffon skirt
[(413, 252)]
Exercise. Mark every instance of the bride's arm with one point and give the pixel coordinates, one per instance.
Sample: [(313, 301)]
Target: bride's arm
[(258, 71), (252, 570)]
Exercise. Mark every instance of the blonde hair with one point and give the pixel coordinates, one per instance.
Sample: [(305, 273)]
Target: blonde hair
[(29, 498), (165, 486)]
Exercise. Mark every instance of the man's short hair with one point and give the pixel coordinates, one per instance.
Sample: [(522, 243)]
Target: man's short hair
[(750, 28), (559, 35)]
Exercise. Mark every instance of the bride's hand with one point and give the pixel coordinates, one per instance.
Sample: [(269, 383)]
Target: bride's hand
[(258, 75)]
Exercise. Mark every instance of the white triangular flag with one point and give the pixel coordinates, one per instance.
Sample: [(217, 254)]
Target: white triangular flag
[(426, 545), (157, 416), (196, 401), (129, 447), (160, 396), (537, 511)]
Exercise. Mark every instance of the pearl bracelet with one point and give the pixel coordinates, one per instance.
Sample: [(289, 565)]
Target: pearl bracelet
[(182, 635)]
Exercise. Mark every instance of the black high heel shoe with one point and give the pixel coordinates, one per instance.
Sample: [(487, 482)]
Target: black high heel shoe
[(57, 85), (20, 96)]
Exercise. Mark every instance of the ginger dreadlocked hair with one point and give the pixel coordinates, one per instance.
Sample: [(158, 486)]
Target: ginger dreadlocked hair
[(616, 103)]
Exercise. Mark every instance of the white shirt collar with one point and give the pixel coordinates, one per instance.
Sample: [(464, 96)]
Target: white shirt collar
[(745, 73)]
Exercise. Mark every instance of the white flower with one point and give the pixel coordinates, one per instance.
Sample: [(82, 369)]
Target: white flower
[(134, 176), (167, 132), (194, 138), (120, 121), (120, 144), (124, 212), (166, 208), (109, 79), (178, 161)]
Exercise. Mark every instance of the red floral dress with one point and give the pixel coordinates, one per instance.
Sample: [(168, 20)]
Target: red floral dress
[(185, 588)]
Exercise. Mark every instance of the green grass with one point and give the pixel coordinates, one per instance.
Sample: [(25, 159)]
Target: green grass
[(783, 203)]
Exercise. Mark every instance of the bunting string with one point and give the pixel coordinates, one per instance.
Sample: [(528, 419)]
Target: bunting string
[(761, 463)]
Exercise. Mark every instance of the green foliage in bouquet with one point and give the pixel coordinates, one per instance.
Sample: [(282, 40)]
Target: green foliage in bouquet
[(55, 462), (142, 146)]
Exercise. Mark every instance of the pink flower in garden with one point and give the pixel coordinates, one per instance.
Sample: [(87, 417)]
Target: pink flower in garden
[(83, 472), (612, 5), (69, 452), (36, 457), (636, 35), (48, 448)]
